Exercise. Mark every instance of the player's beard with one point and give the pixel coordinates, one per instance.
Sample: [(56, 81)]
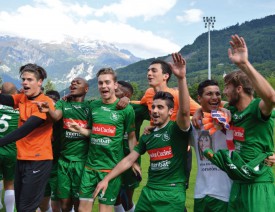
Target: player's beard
[(235, 97)]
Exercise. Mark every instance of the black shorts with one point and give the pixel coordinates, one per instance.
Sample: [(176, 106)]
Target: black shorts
[(30, 181)]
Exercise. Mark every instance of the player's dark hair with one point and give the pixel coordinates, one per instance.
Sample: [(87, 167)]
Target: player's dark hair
[(38, 71), (126, 85), (169, 99), (204, 84), (53, 95)]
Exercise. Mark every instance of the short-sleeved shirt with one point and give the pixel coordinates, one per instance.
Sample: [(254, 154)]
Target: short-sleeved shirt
[(37, 144), (108, 128), (8, 123), (210, 181), (167, 148), (252, 134), (74, 145), (147, 99)]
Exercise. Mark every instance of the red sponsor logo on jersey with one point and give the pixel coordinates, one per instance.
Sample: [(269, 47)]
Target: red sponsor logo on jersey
[(81, 123), (238, 133), (104, 129), (160, 153)]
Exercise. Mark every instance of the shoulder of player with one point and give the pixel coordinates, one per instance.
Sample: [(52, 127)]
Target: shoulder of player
[(95, 102)]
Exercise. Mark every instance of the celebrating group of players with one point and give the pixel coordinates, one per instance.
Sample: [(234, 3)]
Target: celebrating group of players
[(75, 150)]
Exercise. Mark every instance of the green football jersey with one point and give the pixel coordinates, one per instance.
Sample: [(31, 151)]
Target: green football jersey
[(108, 127), (74, 146), (167, 148), (8, 123), (252, 134)]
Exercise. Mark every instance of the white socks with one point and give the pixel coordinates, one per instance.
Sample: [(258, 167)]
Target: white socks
[(49, 210), (9, 200), (119, 208), (1, 190), (132, 209)]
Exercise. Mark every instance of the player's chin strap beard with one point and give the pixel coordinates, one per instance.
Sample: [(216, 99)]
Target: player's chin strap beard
[(33, 97)]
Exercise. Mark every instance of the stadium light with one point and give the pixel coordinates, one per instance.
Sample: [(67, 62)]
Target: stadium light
[(209, 22)]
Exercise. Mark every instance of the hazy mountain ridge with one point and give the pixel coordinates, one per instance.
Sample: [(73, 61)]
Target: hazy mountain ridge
[(62, 61)]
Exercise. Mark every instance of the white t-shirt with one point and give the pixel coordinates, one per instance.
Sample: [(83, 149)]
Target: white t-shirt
[(210, 179)]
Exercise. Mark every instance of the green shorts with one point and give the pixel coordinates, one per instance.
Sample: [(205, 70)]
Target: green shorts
[(252, 197), (69, 175), (129, 180), (7, 164), (89, 181), (161, 200), (210, 204)]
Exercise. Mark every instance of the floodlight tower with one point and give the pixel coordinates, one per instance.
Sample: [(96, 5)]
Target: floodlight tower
[(209, 22)]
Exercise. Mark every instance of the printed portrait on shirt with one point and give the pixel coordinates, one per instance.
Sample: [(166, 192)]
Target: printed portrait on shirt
[(204, 142)]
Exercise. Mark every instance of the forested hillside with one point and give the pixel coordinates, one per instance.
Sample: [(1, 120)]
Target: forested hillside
[(259, 35)]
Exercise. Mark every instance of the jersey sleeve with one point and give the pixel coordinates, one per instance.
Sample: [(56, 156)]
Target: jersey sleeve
[(16, 99), (129, 121), (59, 105), (140, 148), (147, 98), (193, 106)]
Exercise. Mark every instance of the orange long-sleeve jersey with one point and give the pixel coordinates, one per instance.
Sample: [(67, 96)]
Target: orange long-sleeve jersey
[(147, 99)]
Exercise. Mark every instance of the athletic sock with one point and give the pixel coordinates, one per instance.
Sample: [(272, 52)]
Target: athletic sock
[(119, 208), (9, 200), (49, 210), (132, 209)]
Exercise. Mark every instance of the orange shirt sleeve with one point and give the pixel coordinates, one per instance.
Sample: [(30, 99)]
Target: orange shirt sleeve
[(147, 99), (193, 106)]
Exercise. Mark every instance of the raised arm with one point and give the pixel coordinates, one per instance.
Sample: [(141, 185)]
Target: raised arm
[(239, 55), (179, 69), (132, 140)]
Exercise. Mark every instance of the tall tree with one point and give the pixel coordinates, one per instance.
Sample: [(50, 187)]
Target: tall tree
[(49, 86)]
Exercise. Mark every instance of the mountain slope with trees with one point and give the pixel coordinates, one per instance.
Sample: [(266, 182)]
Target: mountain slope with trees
[(260, 39)]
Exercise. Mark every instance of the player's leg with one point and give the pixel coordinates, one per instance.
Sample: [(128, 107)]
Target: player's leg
[(64, 185), (9, 197), (76, 175), (34, 177), (45, 205), (8, 168), (118, 207)]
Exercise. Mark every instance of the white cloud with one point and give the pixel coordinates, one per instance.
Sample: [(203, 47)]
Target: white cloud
[(191, 16), (126, 9), (53, 20)]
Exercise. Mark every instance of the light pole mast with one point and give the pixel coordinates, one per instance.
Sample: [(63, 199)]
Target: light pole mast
[(209, 21)]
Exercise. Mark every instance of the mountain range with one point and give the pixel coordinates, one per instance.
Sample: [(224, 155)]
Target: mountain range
[(63, 61)]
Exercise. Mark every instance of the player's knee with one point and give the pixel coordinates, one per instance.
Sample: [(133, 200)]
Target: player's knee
[(66, 206)]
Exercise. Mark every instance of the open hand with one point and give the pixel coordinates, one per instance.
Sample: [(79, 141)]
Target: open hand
[(239, 53)]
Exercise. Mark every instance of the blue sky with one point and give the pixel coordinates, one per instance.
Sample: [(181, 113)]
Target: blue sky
[(148, 28)]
